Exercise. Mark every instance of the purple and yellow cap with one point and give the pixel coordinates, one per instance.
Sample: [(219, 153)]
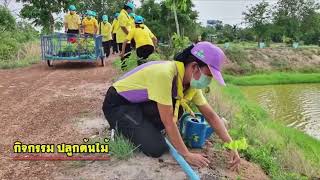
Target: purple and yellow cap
[(213, 56)]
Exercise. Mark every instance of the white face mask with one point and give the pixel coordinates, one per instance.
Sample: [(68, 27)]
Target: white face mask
[(203, 82)]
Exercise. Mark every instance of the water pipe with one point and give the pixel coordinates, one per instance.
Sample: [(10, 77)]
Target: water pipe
[(183, 163)]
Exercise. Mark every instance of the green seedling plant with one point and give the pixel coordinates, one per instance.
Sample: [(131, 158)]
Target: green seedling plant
[(237, 144)]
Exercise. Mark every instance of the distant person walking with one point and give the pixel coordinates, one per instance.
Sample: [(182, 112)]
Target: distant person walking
[(122, 33), (72, 21), (90, 24), (105, 31), (145, 40), (115, 28)]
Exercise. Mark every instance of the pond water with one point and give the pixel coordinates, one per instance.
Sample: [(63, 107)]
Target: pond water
[(297, 105)]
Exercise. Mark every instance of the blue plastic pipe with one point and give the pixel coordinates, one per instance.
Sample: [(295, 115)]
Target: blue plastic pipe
[(183, 163)]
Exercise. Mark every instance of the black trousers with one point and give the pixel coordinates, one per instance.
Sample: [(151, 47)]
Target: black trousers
[(133, 44), (127, 52), (73, 31), (139, 122), (106, 47), (114, 43), (144, 52)]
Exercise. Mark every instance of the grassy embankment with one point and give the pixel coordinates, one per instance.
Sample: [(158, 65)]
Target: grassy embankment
[(273, 78), (282, 152)]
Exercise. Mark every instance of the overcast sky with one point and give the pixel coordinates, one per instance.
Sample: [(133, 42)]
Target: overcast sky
[(228, 11)]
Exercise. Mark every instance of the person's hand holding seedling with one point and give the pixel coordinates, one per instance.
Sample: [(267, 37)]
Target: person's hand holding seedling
[(234, 146)]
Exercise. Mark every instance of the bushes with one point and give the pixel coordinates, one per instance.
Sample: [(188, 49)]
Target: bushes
[(7, 21), (8, 47), (14, 36), (28, 53)]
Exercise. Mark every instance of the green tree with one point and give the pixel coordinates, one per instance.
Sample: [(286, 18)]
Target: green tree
[(7, 21), (41, 12), (158, 17), (176, 5), (258, 18), (290, 15)]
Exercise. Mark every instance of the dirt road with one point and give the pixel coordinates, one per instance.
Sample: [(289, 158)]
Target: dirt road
[(39, 104)]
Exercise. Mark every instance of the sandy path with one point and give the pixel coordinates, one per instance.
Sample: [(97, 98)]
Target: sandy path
[(63, 104)]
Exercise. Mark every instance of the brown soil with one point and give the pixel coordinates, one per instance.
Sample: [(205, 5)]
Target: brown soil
[(63, 104)]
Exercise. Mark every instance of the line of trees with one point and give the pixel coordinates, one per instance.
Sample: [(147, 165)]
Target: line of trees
[(285, 21)]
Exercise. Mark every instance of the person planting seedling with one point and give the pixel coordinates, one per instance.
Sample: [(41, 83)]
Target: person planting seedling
[(147, 100)]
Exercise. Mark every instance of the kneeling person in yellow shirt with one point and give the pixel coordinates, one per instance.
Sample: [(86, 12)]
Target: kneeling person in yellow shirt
[(147, 99), (105, 31), (144, 38)]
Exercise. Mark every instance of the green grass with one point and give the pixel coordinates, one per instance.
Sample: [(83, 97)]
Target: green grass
[(28, 54), (254, 45), (121, 148), (18, 64), (131, 62), (273, 78), (282, 152)]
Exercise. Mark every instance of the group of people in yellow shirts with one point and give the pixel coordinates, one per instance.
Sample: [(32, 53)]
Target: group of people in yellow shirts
[(126, 32)]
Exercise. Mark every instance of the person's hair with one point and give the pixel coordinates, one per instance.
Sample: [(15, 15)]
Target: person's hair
[(139, 26), (125, 7), (186, 57)]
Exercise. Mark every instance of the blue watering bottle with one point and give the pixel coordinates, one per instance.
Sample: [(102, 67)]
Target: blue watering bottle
[(195, 130)]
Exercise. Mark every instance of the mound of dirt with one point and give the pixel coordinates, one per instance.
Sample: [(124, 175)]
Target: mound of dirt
[(241, 61)]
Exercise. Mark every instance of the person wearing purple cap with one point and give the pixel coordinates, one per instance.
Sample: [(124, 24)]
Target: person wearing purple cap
[(146, 100)]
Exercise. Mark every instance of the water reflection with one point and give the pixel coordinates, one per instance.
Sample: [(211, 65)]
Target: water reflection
[(298, 105)]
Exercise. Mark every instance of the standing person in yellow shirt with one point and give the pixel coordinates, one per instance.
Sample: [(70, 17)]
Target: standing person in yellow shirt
[(72, 21), (105, 31), (90, 24), (115, 27), (133, 25), (125, 26), (145, 40)]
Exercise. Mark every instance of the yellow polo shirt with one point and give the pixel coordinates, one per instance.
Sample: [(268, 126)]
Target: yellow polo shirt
[(115, 26), (72, 20), (124, 21), (133, 24), (142, 36), (89, 25), (105, 31), (156, 81)]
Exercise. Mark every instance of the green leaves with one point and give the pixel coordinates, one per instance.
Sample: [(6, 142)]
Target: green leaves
[(7, 21), (237, 144)]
